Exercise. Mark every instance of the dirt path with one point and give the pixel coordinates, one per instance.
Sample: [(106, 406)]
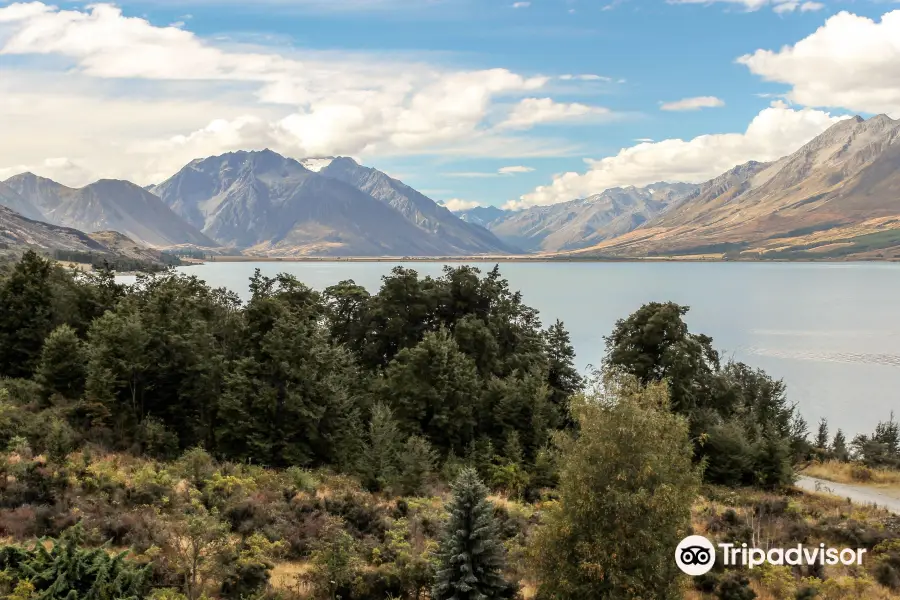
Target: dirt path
[(859, 494)]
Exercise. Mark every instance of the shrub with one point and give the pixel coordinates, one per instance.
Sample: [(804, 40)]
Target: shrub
[(735, 586)]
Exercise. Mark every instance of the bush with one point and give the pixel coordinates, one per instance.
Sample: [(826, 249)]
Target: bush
[(735, 586), (861, 473)]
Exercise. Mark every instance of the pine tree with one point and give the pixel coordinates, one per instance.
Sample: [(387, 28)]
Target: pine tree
[(63, 363), (384, 448), (839, 447), (563, 377), (470, 558), (416, 465), (26, 315), (822, 435)]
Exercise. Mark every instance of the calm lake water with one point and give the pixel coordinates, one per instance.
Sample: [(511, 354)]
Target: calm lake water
[(831, 331)]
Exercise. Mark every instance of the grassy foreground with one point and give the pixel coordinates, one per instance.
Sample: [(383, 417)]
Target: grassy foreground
[(328, 528)]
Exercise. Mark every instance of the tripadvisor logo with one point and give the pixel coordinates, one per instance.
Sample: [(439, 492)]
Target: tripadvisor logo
[(696, 555)]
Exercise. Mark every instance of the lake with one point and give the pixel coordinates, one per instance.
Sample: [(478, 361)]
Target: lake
[(831, 331)]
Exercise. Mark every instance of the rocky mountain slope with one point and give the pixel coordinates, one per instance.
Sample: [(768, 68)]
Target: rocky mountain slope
[(481, 215), (837, 196), (125, 247), (19, 231), (266, 203), (584, 222), (458, 236), (106, 205), (15, 202)]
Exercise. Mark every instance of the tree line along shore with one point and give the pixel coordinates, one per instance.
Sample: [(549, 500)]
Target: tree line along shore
[(431, 440)]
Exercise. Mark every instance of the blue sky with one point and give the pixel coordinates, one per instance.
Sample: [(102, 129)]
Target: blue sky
[(442, 94)]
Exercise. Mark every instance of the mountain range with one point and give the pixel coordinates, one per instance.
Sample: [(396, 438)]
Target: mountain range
[(580, 223), (106, 205), (838, 196), (265, 203)]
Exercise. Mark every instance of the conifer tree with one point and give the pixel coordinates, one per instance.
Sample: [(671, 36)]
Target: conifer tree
[(471, 555), (63, 363), (563, 378), (26, 315), (839, 447), (384, 448), (822, 435)]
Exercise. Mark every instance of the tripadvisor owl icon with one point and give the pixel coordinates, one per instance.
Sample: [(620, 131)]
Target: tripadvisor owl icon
[(695, 555)]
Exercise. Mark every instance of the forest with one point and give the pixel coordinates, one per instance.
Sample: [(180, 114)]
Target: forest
[(433, 439)]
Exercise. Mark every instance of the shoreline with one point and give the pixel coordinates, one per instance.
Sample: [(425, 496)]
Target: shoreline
[(515, 259)]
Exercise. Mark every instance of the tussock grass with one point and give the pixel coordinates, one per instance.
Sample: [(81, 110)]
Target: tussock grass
[(854, 474)]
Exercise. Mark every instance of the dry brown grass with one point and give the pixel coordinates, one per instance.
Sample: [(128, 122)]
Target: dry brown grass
[(886, 480), (285, 578)]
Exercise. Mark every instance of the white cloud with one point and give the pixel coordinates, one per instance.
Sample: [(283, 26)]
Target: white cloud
[(585, 77), (304, 104), (534, 111), (779, 6), (693, 103), (774, 132), (851, 62), (643, 140), (514, 169), (521, 4), (457, 205), (59, 169)]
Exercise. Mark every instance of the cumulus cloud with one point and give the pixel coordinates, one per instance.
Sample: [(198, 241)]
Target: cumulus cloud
[(457, 205), (693, 103), (851, 62), (774, 132), (310, 104), (535, 111)]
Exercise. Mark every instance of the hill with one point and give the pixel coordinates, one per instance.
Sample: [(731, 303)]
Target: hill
[(107, 205), (836, 197), (269, 204)]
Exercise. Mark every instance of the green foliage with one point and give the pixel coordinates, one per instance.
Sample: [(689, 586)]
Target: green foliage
[(563, 377), (822, 435), (470, 558), (335, 561), (26, 307), (63, 363), (839, 447), (417, 462), (431, 388), (64, 569), (739, 417), (618, 543), (882, 447), (384, 447)]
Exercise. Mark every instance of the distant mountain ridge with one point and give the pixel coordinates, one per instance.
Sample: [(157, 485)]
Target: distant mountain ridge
[(19, 231), (837, 196), (267, 203), (425, 213), (583, 222), (105, 205)]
